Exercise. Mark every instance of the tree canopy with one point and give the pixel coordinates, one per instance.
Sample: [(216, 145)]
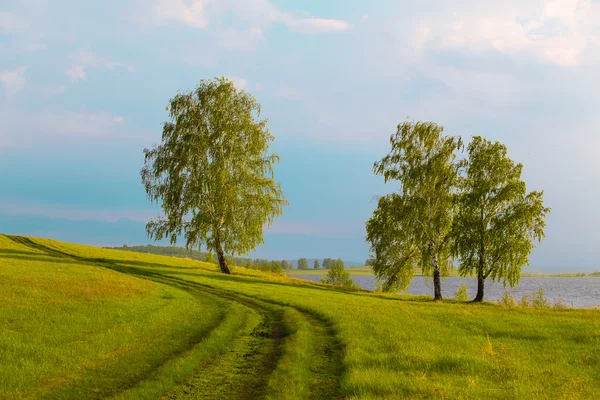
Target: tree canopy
[(286, 265), (303, 263), (212, 174), (497, 221), (423, 161), (338, 275), (393, 241)]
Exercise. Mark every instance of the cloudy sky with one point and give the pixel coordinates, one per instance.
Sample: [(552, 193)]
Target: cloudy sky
[(84, 85)]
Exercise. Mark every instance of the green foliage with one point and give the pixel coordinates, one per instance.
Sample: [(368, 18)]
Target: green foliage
[(526, 301), (339, 276), (303, 263), (316, 264), (507, 300), (497, 220), (370, 261), (559, 304), (210, 258), (539, 300), (462, 294), (327, 263), (378, 286), (276, 267), (286, 265), (212, 174), (411, 228)]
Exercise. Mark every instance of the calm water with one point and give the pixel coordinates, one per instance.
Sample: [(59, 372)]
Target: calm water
[(574, 292)]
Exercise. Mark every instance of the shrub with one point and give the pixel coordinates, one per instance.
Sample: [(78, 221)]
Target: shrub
[(539, 300), (559, 304), (525, 301), (508, 300), (338, 276), (462, 294)]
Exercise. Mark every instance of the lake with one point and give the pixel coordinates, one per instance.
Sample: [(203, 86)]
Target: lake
[(574, 292)]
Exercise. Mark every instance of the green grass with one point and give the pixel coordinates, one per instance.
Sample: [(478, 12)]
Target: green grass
[(251, 335)]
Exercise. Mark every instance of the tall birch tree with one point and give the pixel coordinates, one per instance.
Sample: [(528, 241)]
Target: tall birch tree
[(412, 228), (498, 221), (212, 174)]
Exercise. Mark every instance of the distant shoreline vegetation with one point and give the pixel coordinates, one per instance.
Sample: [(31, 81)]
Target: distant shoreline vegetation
[(182, 252)]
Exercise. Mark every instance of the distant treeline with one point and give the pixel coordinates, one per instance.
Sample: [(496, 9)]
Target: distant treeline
[(276, 266)]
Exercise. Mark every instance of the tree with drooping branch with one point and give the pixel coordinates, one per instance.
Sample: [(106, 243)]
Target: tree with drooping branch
[(497, 221), (423, 161), (213, 175)]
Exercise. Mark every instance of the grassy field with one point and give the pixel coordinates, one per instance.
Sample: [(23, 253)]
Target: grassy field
[(82, 322)]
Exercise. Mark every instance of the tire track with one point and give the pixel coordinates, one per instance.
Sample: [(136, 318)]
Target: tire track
[(254, 353)]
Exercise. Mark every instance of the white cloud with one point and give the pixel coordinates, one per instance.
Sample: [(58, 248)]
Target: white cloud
[(76, 72), (239, 83), (259, 14), (11, 23), (22, 37), (83, 59), (558, 32), (14, 80), (193, 15), (318, 25)]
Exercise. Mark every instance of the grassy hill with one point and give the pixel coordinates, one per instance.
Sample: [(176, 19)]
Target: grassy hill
[(82, 322)]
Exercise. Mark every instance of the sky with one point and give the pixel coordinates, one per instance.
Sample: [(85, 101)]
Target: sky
[(84, 86)]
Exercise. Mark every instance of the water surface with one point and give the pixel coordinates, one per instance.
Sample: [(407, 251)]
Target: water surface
[(573, 292)]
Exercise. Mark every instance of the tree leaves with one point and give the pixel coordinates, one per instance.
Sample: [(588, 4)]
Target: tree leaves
[(212, 174), (410, 229), (497, 220)]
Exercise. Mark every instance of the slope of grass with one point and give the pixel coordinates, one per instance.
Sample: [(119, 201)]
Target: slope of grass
[(71, 329), (328, 343)]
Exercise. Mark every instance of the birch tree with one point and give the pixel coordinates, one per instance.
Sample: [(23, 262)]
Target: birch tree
[(212, 174), (498, 221), (423, 162)]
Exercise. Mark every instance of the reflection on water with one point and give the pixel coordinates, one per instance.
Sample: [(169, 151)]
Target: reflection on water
[(574, 292)]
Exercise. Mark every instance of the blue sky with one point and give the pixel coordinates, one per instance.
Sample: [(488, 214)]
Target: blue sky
[(83, 89)]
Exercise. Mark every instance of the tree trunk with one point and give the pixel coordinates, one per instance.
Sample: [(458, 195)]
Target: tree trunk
[(222, 261), (437, 285), (480, 283)]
